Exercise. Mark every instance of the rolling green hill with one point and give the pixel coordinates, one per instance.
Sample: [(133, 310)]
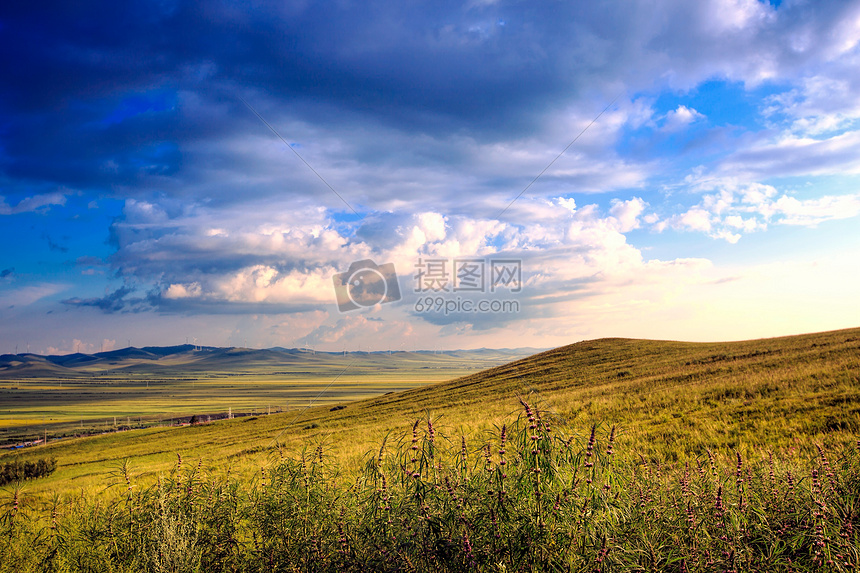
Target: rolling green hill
[(669, 400)]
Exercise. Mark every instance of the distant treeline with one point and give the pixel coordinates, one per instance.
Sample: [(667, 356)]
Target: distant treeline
[(17, 470)]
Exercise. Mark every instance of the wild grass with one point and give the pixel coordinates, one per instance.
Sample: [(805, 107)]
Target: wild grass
[(530, 495)]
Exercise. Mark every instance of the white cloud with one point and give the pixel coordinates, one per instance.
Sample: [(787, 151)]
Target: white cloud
[(733, 207), (626, 213), (822, 103), (275, 258), (143, 212), (793, 155), (755, 193), (696, 219), (736, 15), (567, 203), (678, 119), (811, 212), (747, 225), (261, 283), (432, 226), (34, 203), (175, 291)]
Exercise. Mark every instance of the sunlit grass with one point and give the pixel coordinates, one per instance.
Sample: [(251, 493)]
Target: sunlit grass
[(669, 400), (533, 494)]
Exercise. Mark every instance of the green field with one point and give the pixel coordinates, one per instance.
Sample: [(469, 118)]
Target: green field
[(670, 400), (100, 395), (758, 410), (60, 406)]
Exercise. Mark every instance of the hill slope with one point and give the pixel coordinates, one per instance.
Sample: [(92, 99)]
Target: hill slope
[(670, 400)]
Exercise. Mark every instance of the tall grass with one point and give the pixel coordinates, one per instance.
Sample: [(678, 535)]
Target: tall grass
[(531, 495)]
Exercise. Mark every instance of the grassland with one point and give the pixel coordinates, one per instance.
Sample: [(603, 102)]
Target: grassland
[(135, 388), (530, 497), (669, 400), (631, 455)]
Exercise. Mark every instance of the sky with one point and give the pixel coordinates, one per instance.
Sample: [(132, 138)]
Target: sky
[(422, 175)]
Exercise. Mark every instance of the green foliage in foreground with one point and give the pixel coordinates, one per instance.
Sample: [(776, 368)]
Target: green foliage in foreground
[(527, 498), (18, 470)]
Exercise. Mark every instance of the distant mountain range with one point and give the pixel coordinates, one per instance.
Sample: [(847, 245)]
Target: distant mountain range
[(188, 359)]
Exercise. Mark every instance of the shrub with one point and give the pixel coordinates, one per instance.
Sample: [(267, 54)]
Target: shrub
[(19, 471)]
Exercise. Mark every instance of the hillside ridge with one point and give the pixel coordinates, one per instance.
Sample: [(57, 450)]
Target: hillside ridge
[(670, 400)]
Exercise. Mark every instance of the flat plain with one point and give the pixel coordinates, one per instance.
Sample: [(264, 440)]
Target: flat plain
[(135, 388)]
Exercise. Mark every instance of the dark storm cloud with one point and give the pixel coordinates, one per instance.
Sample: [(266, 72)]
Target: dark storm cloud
[(137, 98), (113, 93)]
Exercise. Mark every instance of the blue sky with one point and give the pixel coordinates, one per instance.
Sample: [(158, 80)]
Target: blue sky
[(712, 191)]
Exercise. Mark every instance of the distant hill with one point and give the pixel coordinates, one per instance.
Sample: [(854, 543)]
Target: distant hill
[(188, 359), (31, 366)]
